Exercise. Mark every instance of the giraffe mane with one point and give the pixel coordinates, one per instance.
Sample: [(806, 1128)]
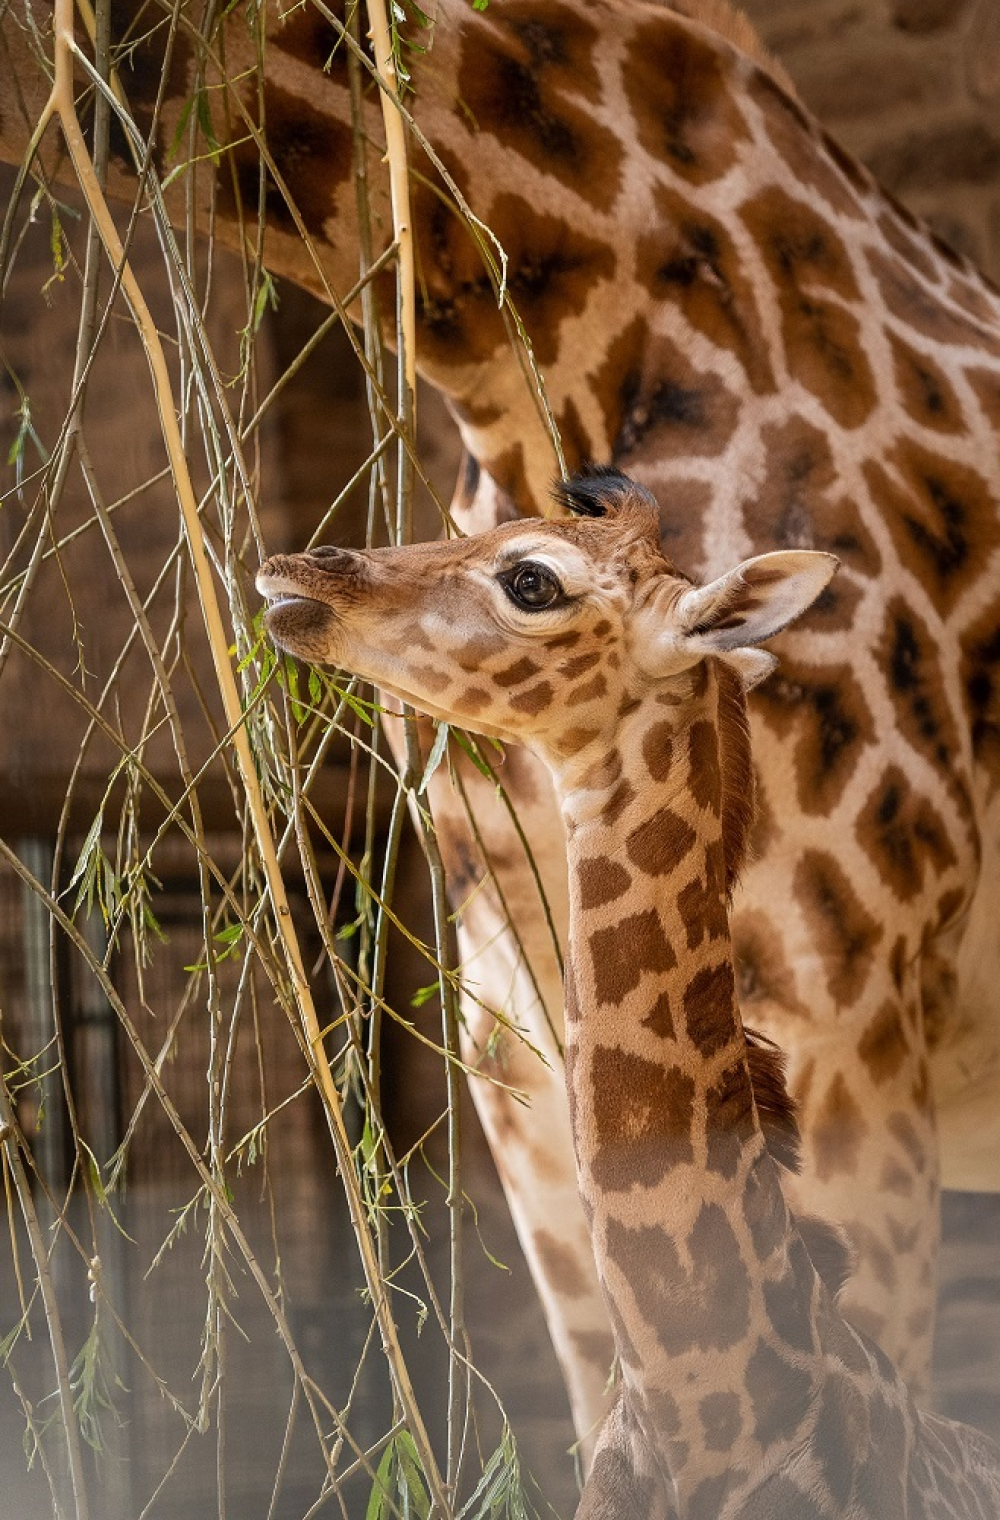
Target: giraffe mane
[(778, 1115), (736, 765), (734, 27)]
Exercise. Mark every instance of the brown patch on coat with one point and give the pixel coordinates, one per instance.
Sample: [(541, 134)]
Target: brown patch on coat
[(942, 517), (699, 1301), (903, 835), (552, 269), (808, 264), (800, 505), (620, 955), (689, 259), (680, 89), (843, 931), (837, 1131), (659, 844), (528, 81), (642, 1119), (925, 391), (884, 1047), (980, 677), (812, 158), (762, 972), (601, 881), (710, 1008), (825, 711), (657, 404), (560, 1264)]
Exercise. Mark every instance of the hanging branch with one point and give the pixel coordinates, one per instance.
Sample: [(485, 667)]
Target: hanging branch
[(61, 106)]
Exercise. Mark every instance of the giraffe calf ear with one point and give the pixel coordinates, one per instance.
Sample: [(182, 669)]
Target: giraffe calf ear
[(752, 602)]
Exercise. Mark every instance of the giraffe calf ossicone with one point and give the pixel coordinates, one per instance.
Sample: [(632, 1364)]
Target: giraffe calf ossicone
[(744, 1392)]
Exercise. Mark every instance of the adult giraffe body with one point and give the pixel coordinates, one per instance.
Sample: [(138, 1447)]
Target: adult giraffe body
[(724, 304)]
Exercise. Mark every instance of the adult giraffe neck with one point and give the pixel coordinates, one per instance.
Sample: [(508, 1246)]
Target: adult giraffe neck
[(693, 1241)]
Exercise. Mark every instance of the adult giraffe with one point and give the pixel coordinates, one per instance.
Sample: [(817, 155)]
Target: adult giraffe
[(725, 304)]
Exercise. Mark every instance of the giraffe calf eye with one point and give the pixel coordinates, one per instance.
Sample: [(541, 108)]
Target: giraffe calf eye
[(532, 586)]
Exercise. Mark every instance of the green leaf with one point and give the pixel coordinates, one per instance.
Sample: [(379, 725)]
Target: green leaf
[(435, 757), (381, 1497), (424, 994)]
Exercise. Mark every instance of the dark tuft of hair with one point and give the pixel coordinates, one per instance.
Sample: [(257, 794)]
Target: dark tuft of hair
[(736, 764), (775, 1104), (828, 1250), (778, 1114), (595, 488)]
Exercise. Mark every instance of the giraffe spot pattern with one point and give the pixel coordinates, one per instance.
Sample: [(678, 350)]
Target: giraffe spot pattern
[(908, 652), (814, 160), (552, 271), (980, 676), (658, 844), (690, 260), (660, 1020), (843, 931), (678, 88), (572, 740), (924, 389), (642, 1120), (720, 1420), (764, 1209), (825, 709), (614, 1487), (904, 836), (514, 675), (579, 664), (914, 1146), (473, 700), (884, 1047), (621, 954), (762, 973), (595, 1346), (561, 1265), (622, 796), (779, 1396), (601, 881), (708, 1497), (789, 1301), (941, 517), (533, 701), (519, 84), (701, 1301), (921, 310), (306, 35), (590, 691), (656, 403), (658, 750), (709, 1008), (837, 1132), (313, 151), (702, 905), (804, 256), (800, 506)]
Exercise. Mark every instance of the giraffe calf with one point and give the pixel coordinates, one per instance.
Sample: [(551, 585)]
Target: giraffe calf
[(744, 1392)]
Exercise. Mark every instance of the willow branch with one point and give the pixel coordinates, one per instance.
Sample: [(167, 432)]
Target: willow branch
[(62, 105)]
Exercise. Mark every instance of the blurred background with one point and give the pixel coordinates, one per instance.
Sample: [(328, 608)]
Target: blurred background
[(910, 86)]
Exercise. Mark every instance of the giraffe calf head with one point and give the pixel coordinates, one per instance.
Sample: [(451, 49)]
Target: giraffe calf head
[(538, 631)]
